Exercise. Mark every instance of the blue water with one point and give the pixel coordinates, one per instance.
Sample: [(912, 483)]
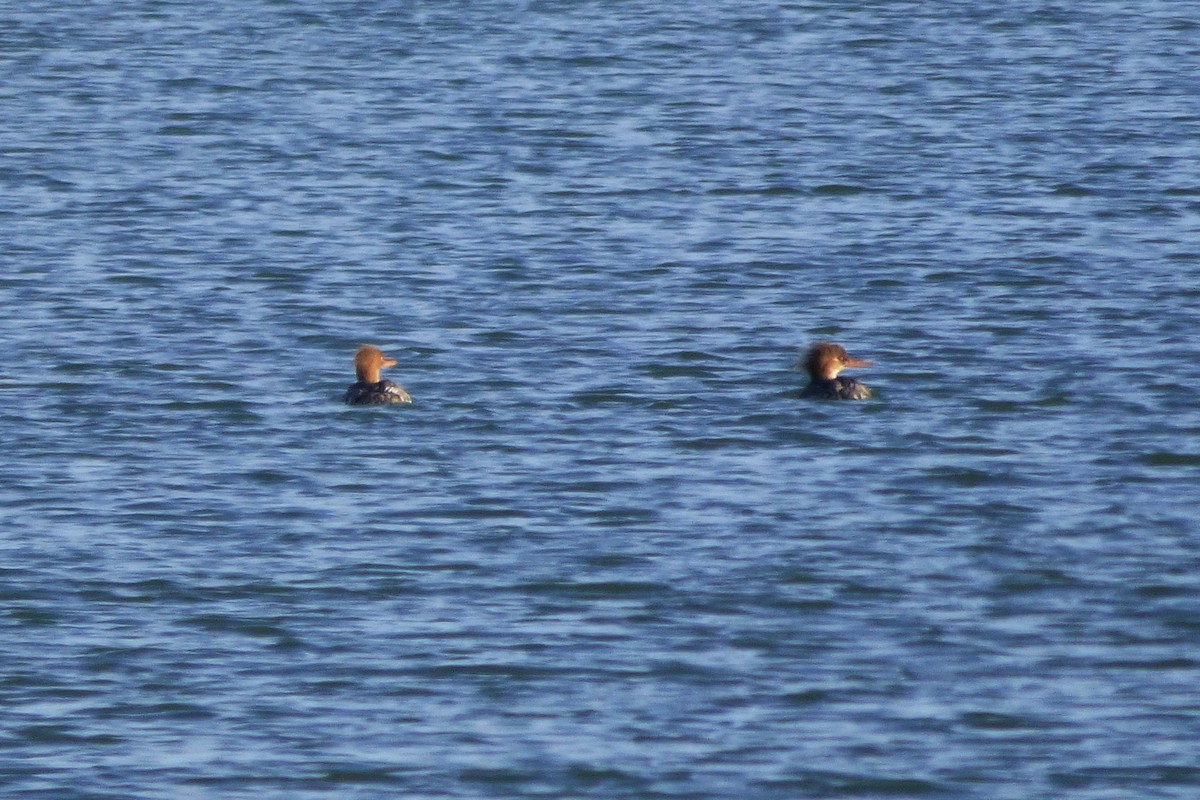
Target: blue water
[(608, 552)]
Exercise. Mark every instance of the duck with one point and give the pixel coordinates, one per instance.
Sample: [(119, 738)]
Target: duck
[(370, 389), (823, 363)]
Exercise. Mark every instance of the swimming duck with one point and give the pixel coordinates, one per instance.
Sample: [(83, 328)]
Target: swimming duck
[(369, 389), (823, 363)]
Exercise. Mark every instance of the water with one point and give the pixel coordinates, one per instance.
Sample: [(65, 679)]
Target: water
[(609, 552)]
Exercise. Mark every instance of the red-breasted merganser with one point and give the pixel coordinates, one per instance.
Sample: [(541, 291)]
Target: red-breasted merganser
[(823, 363), (369, 390)]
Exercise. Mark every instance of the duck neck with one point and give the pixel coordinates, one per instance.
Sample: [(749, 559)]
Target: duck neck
[(827, 372)]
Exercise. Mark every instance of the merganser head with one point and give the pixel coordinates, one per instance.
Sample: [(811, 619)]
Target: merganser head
[(368, 361), (825, 360)]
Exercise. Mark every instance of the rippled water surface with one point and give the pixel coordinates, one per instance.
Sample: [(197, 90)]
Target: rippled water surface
[(608, 552)]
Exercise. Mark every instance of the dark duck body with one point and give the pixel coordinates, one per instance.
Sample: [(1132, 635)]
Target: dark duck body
[(370, 389), (823, 363)]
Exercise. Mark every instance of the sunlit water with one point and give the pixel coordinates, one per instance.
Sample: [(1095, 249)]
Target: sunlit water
[(608, 552)]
